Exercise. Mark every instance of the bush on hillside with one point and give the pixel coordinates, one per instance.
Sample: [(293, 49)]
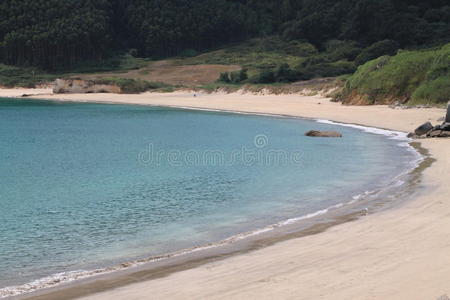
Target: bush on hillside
[(224, 77), (301, 49), (329, 69), (386, 47), (284, 73), (188, 53), (265, 76), (233, 77), (132, 86), (342, 50), (421, 76)]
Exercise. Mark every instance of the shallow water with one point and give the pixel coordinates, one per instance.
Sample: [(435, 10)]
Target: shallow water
[(90, 185)]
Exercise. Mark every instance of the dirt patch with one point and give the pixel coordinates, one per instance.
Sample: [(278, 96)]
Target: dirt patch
[(171, 72)]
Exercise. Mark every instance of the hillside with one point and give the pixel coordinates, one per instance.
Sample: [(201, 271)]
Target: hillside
[(56, 35), (414, 77), (154, 44)]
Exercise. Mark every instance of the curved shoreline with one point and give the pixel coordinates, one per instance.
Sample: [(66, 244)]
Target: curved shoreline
[(195, 264), (348, 210)]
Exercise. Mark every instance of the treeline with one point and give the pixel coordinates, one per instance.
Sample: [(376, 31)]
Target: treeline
[(54, 34)]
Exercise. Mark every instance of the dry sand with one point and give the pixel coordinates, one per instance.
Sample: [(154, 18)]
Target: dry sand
[(401, 253)]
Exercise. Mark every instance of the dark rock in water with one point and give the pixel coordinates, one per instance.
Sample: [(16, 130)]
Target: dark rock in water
[(435, 133), (445, 127), (424, 129), (316, 133), (411, 135)]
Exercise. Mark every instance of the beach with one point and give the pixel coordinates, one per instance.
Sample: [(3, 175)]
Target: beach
[(400, 253)]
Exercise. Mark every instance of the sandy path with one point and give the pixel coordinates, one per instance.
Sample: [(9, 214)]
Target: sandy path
[(402, 253)]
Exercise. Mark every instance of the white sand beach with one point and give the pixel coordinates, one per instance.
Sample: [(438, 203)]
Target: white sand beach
[(400, 253)]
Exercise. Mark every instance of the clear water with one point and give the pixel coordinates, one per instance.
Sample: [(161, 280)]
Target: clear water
[(79, 188)]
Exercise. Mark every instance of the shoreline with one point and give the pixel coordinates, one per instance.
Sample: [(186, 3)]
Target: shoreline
[(347, 211), (266, 247)]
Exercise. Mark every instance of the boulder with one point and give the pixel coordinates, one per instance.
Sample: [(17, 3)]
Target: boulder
[(445, 134), (445, 127), (424, 128), (447, 117), (434, 133), (316, 133)]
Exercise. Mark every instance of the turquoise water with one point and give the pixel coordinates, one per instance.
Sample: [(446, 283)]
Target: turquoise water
[(84, 186)]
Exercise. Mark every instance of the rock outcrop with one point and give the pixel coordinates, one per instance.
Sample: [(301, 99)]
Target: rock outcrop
[(71, 86), (424, 128), (427, 130), (447, 117), (316, 133)]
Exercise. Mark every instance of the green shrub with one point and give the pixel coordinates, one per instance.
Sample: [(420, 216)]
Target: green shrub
[(342, 50), (266, 76), (11, 76), (314, 60), (238, 76), (420, 76), (329, 69), (285, 74), (435, 91), (233, 77), (132, 86), (189, 53), (224, 77), (386, 47), (301, 49), (243, 75)]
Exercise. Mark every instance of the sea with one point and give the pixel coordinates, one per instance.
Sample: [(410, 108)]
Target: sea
[(87, 186)]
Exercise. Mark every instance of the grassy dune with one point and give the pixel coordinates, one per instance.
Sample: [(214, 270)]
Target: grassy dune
[(413, 77)]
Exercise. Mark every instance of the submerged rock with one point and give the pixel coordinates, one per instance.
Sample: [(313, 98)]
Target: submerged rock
[(424, 129), (316, 133)]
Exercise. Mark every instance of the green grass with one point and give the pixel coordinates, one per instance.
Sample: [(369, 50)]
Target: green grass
[(211, 87), (255, 55), (133, 86), (118, 64), (415, 77), (11, 76)]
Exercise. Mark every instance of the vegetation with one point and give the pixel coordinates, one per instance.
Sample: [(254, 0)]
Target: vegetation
[(11, 76), (421, 76), (55, 35), (275, 42), (270, 60), (17, 76), (233, 77), (132, 86)]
